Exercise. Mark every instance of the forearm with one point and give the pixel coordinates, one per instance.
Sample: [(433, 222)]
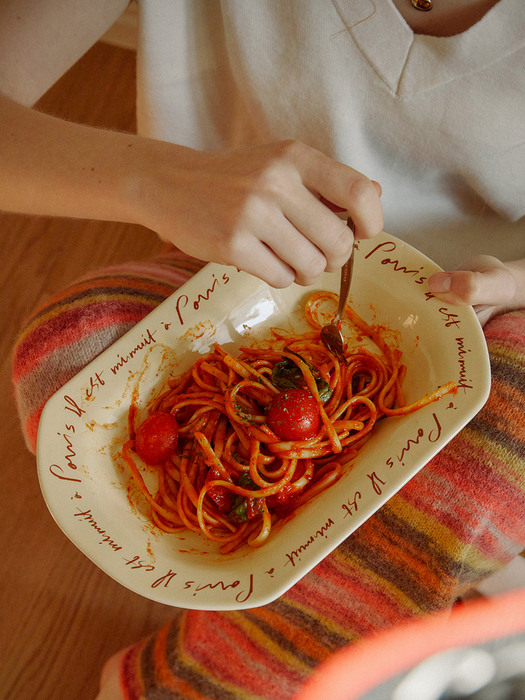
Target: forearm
[(517, 268), (259, 209), (52, 167)]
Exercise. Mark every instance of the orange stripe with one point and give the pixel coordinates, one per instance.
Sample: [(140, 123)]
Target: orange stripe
[(294, 634), (164, 673)]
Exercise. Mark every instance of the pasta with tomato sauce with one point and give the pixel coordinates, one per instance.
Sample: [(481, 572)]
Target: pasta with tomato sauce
[(240, 442)]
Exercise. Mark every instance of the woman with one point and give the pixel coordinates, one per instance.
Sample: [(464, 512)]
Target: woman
[(434, 115)]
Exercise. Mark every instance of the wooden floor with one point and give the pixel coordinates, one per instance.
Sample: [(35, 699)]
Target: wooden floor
[(60, 616)]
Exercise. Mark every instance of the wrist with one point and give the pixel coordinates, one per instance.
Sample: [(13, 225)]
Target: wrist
[(517, 269), (152, 171)]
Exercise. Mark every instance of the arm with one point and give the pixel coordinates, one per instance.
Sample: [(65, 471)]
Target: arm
[(257, 209), (486, 283)]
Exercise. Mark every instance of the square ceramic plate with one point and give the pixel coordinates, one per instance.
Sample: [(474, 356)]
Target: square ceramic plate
[(84, 425)]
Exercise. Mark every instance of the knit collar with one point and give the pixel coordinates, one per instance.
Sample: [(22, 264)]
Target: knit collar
[(409, 63)]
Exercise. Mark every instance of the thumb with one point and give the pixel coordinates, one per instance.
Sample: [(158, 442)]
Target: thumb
[(485, 280)]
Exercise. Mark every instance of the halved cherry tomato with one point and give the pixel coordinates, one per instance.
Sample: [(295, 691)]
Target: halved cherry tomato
[(294, 415), (222, 496), (253, 508), (156, 438), (283, 502)]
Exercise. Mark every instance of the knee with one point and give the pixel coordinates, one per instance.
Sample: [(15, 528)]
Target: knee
[(72, 328)]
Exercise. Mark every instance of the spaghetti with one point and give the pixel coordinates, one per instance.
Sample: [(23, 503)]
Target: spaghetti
[(235, 471)]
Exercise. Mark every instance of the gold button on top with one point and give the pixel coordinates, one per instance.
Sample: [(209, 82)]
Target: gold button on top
[(424, 5)]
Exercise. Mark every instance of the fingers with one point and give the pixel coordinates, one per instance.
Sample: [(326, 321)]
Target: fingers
[(321, 240), (260, 261), (378, 187), (485, 281), (308, 194), (344, 187), (281, 250), (289, 217), (336, 208), (263, 211), (485, 312), (365, 208)]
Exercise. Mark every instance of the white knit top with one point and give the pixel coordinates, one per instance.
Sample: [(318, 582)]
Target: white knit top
[(438, 121)]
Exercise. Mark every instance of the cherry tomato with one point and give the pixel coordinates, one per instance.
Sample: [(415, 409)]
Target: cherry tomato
[(253, 508), (222, 496), (294, 415), (283, 502), (156, 438)]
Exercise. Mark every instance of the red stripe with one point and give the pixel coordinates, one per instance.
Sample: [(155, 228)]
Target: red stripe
[(364, 590), (457, 484), (71, 326)]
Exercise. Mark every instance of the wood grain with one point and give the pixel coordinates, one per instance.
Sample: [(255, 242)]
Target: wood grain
[(60, 616)]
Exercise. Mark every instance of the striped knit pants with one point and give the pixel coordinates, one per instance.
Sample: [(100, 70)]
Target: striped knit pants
[(459, 519)]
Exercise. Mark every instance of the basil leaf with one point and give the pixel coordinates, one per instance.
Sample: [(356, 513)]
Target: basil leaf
[(286, 375), (238, 511), (239, 507), (324, 389), (246, 481)]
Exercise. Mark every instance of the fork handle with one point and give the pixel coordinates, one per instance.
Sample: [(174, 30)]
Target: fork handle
[(346, 278)]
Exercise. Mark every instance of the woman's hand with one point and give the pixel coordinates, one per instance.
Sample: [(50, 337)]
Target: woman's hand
[(489, 285), (258, 209)]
